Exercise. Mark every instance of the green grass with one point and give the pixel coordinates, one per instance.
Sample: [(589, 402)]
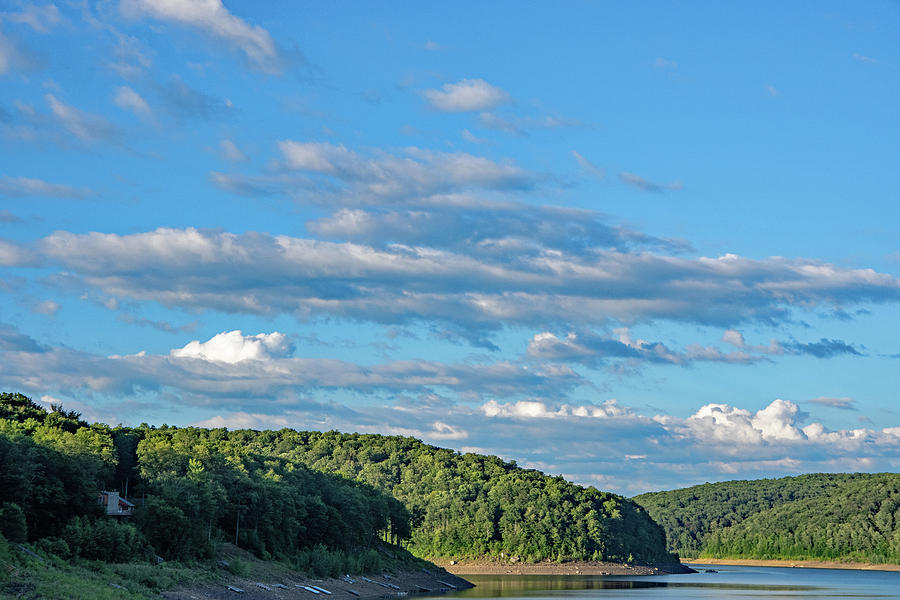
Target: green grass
[(55, 578)]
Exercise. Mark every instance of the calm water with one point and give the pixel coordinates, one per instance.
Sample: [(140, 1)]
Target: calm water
[(747, 583)]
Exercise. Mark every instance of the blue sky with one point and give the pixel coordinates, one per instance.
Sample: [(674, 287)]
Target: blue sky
[(642, 245)]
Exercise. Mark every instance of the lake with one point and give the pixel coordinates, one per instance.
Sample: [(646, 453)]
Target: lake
[(745, 583)]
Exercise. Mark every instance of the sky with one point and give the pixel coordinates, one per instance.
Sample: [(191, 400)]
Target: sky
[(644, 245)]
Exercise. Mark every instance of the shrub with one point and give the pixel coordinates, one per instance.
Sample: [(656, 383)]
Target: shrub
[(104, 539), (12, 522)]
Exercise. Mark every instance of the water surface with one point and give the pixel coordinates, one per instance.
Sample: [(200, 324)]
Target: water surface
[(747, 583)]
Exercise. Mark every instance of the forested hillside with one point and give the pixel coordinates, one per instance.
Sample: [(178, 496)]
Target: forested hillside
[(818, 516), (192, 494), (294, 495), (476, 505)]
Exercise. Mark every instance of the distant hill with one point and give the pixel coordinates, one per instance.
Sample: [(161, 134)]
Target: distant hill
[(817, 516)]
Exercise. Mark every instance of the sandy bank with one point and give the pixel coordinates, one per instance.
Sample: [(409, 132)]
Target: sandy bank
[(799, 564), (285, 587), (488, 567)]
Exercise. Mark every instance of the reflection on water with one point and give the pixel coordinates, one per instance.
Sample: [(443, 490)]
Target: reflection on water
[(727, 583), (502, 586)]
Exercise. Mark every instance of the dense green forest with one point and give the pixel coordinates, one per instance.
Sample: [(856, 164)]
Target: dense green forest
[(297, 496), (818, 516), (192, 494), (475, 505)]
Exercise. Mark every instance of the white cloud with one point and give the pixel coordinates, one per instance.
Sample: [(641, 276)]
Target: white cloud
[(865, 59), (14, 57), (40, 18), (593, 350), (28, 187), (232, 347), (230, 152), (470, 137), (413, 174), (212, 17), (85, 126), (648, 186), (466, 96), (466, 289), (536, 409), (128, 99), (843, 403), (46, 307), (16, 255), (588, 167)]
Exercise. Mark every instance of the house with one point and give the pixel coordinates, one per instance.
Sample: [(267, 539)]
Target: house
[(116, 506)]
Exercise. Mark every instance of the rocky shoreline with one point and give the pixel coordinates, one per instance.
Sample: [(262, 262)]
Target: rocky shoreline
[(498, 567), (288, 587)]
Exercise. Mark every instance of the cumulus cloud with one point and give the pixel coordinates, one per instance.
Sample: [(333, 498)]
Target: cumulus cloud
[(644, 185), (233, 346), (466, 95), (211, 17), (28, 187)]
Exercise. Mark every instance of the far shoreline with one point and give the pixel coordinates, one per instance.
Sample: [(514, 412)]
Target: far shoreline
[(797, 564), (465, 567)]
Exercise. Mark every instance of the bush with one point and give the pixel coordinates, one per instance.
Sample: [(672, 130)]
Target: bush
[(12, 522), (5, 559), (104, 539), (238, 567), (55, 546)]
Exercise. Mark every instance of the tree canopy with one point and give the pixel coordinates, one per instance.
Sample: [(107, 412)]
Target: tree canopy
[(816, 516)]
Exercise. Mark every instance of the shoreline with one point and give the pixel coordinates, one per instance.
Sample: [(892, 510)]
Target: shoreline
[(496, 567), (797, 564), (285, 587)]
